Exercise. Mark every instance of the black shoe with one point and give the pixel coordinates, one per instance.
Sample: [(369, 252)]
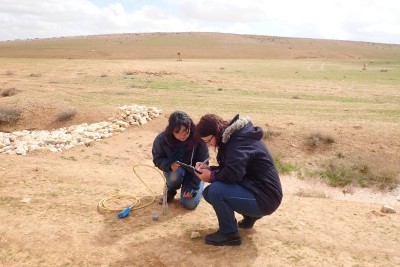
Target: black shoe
[(247, 222), (170, 195), (219, 239)]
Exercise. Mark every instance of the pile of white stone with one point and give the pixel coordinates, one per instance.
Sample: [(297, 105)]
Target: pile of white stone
[(21, 142)]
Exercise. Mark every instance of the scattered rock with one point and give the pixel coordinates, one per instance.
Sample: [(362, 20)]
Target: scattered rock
[(25, 200), (387, 209), (155, 217), (195, 235)]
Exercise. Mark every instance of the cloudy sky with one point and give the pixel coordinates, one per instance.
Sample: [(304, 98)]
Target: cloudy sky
[(357, 20)]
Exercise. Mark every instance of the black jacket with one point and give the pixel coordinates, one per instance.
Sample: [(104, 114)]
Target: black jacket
[(244, 158), (189, 152)]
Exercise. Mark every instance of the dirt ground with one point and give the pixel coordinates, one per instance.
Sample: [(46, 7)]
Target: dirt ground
[(49, 213), (49, 216)]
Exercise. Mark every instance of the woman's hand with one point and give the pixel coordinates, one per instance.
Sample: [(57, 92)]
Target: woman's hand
[(187, 194), (205, 175), (206, 172), (200, 166)]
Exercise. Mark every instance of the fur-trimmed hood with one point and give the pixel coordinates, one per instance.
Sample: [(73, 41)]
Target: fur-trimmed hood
[(241, 123)]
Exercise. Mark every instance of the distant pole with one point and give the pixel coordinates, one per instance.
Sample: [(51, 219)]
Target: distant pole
[(178, 57)]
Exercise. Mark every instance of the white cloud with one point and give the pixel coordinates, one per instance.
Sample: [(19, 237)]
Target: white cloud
[(369, 20)]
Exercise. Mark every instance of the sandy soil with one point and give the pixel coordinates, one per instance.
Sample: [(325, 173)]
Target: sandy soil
[(49, 216), (49, 212)]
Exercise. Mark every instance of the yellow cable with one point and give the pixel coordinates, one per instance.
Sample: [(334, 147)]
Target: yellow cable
[(136, 203)]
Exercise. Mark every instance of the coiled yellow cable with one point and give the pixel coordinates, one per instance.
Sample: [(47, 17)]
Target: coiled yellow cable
[(102, 206)]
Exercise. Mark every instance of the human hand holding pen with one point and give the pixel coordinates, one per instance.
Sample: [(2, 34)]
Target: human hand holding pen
[(205, 169), (202, 165)]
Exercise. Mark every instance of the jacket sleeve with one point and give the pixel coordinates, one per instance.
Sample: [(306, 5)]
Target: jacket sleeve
[(237, 156), (160, 158)]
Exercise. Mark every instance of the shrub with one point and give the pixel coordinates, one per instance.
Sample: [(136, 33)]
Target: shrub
[(9, 115), (284, 167), (316, 139), (270, 134), (129, 72), (9, 92), (66, 115), (340, 173), (313, 193)]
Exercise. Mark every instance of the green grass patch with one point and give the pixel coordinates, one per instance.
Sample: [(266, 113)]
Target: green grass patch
[(343, 172), (285, 167), (168, 84), (69, 158)]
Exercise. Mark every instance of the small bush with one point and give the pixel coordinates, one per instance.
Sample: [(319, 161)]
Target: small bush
[(66, 115), (284, 167), (129, 72), (9, 92), (340, 173), (9, 115), (316, 139), (69, 158), (313, 193), (270, 134)]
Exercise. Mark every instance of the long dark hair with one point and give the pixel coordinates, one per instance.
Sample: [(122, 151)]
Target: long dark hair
[(211, 124), (176, 120)]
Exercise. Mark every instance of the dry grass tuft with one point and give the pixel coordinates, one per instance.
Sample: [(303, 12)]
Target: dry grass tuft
[(9, 92), (9, 115), (361, 172), (270, 134), (129, 72), (310, 193), (317, 139), (66, 115)]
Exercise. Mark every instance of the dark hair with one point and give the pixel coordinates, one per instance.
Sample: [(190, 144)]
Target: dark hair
[(211, 124), (176, 120)]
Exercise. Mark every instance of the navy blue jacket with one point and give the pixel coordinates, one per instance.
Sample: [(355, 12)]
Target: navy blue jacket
[(244, 158), (189, 152)]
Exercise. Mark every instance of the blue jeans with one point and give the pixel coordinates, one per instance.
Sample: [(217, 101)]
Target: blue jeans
[(227, 198), (180, 178)]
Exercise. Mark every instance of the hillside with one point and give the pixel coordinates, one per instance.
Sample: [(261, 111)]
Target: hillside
[(330, 111), (194, 46)]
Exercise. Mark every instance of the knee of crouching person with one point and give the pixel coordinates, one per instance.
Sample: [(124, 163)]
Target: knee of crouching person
[(189, 204)]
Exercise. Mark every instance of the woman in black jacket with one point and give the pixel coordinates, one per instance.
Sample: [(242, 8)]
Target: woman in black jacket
[(177, 143), (246, 180)]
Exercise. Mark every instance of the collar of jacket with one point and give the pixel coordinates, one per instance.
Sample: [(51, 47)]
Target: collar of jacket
[(236, 125)]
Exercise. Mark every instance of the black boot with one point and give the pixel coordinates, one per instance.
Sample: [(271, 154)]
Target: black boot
[(219, 239), (247, 222), (170, 195)]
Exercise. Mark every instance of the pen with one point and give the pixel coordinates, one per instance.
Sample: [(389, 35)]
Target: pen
[(204, 162)]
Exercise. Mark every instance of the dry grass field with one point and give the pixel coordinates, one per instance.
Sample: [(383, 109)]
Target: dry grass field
[(331, 115)]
